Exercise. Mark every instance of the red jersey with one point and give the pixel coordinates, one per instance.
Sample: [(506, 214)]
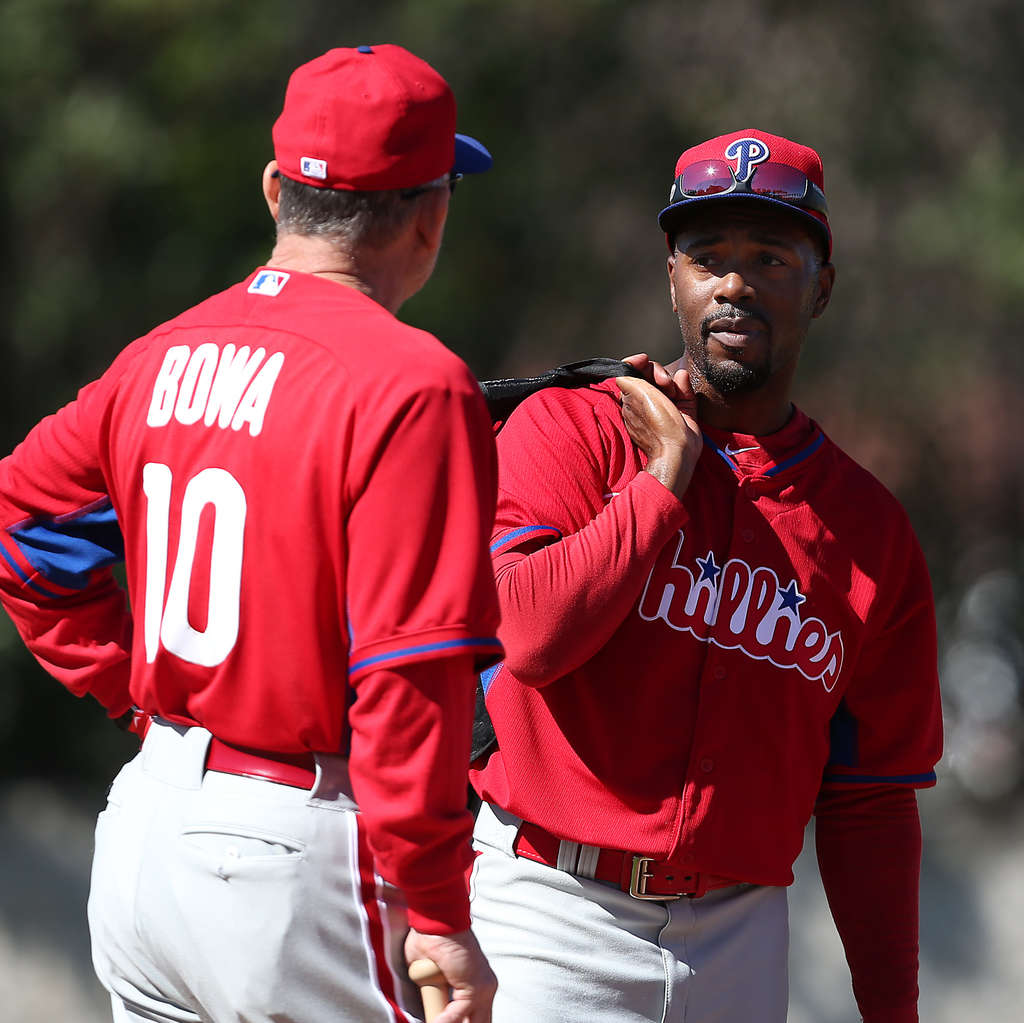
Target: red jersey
[(684, 677), (304, 486)]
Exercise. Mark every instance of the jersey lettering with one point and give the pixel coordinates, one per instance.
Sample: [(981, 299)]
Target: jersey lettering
[(226, 386), (168, 624), (737, 607)]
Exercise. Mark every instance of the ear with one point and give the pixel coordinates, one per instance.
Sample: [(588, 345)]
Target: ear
[(272, 188), (672, 280), (826, 281)]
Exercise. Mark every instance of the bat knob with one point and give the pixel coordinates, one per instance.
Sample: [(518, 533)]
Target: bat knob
[(432, 984)]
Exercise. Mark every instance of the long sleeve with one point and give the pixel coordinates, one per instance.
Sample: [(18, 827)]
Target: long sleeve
[(410, 747), (561, 603), (869, 854), (59, 536), (422, 615)]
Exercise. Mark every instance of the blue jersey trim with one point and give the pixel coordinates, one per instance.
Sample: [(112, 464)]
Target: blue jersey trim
[(893, 779), (718, 451), (487, 677), (775, 470), (505, 540), (22, 575), (843, 736), (68, 550), (426, 648), (799, 456)]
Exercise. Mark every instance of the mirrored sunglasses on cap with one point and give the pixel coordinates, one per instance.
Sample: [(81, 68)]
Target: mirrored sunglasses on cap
[(772, 180)]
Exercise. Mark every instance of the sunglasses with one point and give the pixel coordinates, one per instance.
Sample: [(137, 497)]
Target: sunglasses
[(772, 180), (453, 180)]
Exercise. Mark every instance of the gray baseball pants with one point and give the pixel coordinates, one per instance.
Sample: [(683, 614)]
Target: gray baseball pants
[(220, 898), (567, 949)]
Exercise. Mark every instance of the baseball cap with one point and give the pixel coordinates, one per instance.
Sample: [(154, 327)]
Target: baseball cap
[(370, 118), (750, 165)]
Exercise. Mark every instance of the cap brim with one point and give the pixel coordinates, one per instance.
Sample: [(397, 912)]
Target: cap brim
[(671, 217), (471, 157)]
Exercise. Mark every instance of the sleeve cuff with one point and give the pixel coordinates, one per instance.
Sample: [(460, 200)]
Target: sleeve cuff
[(443, 909), (424, 646)]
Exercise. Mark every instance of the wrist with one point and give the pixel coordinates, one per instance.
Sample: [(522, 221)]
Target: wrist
[(671, 471)]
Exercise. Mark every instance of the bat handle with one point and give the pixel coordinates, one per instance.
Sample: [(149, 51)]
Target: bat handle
[(433, 987)]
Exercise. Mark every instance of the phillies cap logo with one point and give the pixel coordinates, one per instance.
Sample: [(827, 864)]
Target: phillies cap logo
[(747, 153)]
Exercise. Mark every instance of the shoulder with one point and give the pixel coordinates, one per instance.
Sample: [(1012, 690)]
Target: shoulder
[(860, 498), (585, 410)]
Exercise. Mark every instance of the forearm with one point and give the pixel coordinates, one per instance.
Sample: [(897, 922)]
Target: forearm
[(869, 854), (83, 641), (561, 604), (409, 761)]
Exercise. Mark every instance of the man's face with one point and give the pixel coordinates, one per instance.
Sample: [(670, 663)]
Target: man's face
[(746, 281)]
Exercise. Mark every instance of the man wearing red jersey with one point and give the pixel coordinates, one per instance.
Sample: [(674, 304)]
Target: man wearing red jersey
[(716, 624), (304, 528)]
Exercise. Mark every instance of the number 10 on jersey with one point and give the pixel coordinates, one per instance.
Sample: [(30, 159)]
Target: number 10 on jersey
[(168, 624)]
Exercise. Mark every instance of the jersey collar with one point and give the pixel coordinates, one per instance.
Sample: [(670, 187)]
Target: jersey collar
[(770, 455)]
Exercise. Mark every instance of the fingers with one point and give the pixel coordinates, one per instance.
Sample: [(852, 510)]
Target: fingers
[(662, 379), (463, 967), (681, 379), (639, 362), (643, 390), (655, 373), (627, 385), (647, 411), (458, 1011)]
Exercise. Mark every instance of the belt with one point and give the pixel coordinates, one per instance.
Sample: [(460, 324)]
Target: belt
[(295, 769), (642, 877)]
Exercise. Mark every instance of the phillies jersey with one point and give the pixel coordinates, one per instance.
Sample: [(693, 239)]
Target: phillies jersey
[(301, 487), (684, 677)]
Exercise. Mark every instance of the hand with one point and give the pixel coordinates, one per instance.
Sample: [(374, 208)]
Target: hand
[(662, 421), (463, 964), (663, 377)]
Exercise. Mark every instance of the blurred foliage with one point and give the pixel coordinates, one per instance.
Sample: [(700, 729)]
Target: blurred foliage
[(134, 134)]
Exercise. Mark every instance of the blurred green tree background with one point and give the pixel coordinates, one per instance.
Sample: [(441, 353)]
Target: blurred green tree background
[(134, 134)]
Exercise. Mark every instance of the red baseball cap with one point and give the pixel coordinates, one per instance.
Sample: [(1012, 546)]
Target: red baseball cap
[(751, 164), (371, 118)]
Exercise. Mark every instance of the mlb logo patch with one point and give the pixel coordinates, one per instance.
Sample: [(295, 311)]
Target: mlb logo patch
[(268, 282), (312, 168)]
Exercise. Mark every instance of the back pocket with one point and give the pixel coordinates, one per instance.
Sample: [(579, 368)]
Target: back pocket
[(230, 849)]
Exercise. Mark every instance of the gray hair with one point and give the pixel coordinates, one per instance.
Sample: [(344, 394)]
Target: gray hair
[(347, 218)]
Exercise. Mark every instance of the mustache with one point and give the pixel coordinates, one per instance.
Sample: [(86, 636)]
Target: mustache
[(731, 312)]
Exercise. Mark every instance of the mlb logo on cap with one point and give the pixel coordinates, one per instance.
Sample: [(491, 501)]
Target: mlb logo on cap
[(313, 168), (268, 282)]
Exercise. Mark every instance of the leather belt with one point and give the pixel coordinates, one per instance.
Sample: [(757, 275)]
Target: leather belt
[(642, 877), (295, 769)]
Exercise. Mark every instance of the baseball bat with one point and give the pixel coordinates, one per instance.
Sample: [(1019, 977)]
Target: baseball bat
[(433, 987)]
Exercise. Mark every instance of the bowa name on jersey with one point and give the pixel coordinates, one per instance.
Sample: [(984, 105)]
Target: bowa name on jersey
[(735, 607), (226, 386)]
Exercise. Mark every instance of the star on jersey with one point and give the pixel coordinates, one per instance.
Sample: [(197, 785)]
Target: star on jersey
[(708, 569), (792, 598)]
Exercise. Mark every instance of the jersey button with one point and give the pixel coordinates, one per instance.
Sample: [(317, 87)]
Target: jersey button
[(720, 673), (748, 535), (707, 765)]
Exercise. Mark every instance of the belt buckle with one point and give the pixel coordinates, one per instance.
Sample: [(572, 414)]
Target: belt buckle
[(638, 879)]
